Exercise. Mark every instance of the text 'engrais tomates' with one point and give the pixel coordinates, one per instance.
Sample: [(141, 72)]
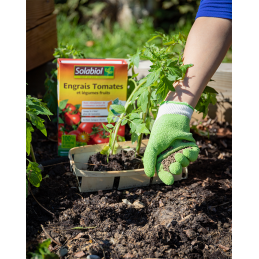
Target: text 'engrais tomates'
[(94, 86)]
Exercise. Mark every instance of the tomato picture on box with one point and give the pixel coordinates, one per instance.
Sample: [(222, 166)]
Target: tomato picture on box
[(86, 90)]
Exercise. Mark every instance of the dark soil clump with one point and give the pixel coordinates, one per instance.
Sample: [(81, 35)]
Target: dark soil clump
[(170, 159), (124, 160)]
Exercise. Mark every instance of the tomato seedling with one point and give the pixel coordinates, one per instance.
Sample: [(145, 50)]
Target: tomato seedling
[(145, 95)]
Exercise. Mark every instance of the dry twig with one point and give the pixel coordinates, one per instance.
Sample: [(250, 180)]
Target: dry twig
[(47, 234), (38, 202)]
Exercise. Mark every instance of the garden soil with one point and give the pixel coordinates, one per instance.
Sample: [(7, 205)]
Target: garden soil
[(191, 219)]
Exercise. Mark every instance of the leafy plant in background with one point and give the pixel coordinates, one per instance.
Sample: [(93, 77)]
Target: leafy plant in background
[(34, 107), (50, 97), (147, 94), (42, 252)]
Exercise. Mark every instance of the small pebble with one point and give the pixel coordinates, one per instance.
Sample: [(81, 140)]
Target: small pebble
[(126, 201), (93, 257), (79, 254), (226, 225), (212, 209), (139, 205), (190, 233), (203, 231), (62, 251), (161, 204)]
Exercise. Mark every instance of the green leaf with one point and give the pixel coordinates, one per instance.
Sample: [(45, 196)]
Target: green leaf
[(184, 69), (83, 228), (77, 106), (154, 37), (143, 100), (209, 89), (136, 94), (105, 150), (142, 129), (152, 77), (29, 129), (134, 137), (34, 174), (133, 116), (110, 126), (213, 98), (174, 73), (40, 109), (124, 122), (134, 59), (38, 122), (168, 83), (108, 130), (110, 117), (120, 138), (118, 108), (62, 104), (134, 124), (178, 48), (161, 92)]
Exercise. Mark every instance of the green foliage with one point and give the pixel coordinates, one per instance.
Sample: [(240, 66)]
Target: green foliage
[(141, 108), (208, 96), (42, 252), (50, 97), (114, 43), (34, 108)]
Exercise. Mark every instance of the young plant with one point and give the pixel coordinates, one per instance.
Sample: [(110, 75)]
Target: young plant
[(42, 252), (34, 107), (147, 94)]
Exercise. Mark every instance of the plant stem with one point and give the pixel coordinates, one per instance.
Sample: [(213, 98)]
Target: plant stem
[(32, 155), (144, 119), (121, 116)]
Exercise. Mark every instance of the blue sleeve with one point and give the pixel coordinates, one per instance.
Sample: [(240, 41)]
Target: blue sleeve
[(218, 8)]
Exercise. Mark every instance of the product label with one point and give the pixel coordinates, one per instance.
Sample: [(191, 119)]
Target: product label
[(86, 90), (94, 72)]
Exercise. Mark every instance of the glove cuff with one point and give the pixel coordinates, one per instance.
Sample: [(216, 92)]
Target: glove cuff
[(171, 107)]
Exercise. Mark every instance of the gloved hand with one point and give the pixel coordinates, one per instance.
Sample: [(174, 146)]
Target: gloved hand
[(170, 133)]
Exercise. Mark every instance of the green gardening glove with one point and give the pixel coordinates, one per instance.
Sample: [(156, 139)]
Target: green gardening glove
[(170, 135)]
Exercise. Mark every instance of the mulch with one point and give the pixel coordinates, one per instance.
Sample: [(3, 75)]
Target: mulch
[(190, 219)]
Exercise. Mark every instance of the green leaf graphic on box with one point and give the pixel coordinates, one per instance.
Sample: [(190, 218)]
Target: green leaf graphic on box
[(60, 120), (63, 104), (77, 106), (116, 101), (109, 71)]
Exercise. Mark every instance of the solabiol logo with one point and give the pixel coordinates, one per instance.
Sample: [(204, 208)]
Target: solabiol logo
[(94, 72)]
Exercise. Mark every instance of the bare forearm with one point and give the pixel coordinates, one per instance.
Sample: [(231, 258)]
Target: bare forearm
[(206, 46)]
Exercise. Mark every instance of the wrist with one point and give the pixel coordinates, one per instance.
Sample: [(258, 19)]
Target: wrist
[(172, 107)]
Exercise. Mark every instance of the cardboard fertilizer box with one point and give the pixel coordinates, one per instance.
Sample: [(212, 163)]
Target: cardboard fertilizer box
[(86, 89)]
